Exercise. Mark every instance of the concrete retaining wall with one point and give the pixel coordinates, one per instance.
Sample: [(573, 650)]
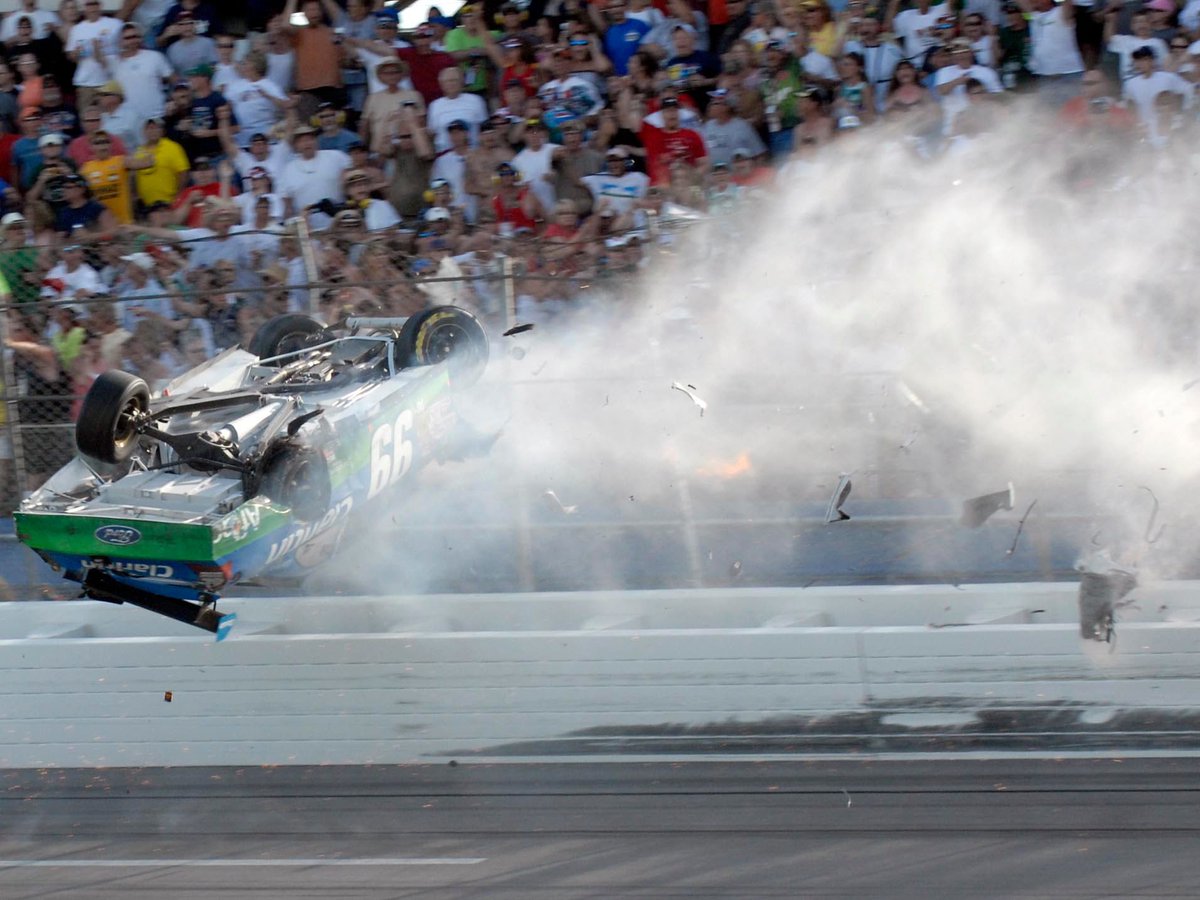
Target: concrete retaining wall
[(523, 676)]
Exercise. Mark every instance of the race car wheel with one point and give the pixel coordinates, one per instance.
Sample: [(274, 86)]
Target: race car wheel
[(284, 334), (445, 334), (106, 429), (298, 478)]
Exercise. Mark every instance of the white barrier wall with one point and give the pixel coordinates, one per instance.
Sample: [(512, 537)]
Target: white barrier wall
[(521, 676)]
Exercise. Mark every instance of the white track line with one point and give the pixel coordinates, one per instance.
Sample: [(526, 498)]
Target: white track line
[(247, 863)]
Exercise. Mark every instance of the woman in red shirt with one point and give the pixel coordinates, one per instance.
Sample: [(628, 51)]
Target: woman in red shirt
[(514, 204)]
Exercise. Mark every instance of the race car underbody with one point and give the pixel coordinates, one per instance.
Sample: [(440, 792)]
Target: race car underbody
[(254, 463)]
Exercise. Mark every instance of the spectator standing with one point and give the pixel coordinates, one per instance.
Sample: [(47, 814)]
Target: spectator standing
[(332, 135), (208, 181), (356, 22), (1096, 108), (260, 187), (226, 69), (951, 82), (917, 28), (740, 21), (72, 277), (80, 148), (623, 35), (281, 58), (144, 75), (572, 162), (118, 118), (312, 175), (42, 21), (199, 132), (107, 175), (261, 154), (383, 107), (723, 132), (26, 152), (451, 166), (160, 166), (18, 259), (380, 47), (1054, 54), (514, 206), (425, 63), (618, 187), (318, 75), (481, 163), (411, 153), (200, 12), (192, 49), (567, 97), (454, 106), (1123, 45), (658, 43), (80, 213), (257, 102), (1144, 88), (1015, 47), (471, 44), (92, 46), (377, 215), (780, 88), (535, 163), (689, 69), (671, 144)]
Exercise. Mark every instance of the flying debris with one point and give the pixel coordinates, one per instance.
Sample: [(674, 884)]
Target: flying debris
[(519, 329), (1100, 594), (834, 512), (736, 569), (1020, 527), (557, 505), (690, 391), (978, 510), (168, 696)]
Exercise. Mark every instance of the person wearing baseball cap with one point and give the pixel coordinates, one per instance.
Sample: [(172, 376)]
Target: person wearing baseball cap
[(425, 62), (91, 72), (160, 167), (724, 130)]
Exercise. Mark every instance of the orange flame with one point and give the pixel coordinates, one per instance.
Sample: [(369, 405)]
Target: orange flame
[(717, 469)]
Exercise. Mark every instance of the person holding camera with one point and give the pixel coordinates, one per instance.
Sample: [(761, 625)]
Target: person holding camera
[(385, 107)]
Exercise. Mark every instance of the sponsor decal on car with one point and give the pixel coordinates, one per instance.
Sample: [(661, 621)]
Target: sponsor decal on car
[(118, 535), (302, 535), (134, 569)]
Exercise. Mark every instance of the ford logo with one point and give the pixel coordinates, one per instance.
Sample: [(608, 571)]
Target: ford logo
[(120, 535)]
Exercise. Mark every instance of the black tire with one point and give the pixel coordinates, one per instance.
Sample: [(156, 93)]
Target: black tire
[(445, 334), (284, 334), (107, 426), (298, 478)]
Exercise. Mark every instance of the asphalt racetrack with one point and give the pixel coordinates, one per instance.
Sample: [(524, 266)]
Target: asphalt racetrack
[(1013, 828)]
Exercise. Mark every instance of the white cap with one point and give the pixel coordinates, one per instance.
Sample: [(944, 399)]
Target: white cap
[(437, 214), (13, 218), (143, 261), (52, 138)]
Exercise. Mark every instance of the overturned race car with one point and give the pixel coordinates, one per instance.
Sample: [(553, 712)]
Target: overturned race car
[(254, 463)]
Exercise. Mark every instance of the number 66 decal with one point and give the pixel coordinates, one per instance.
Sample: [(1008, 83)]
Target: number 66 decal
[(391, 453)]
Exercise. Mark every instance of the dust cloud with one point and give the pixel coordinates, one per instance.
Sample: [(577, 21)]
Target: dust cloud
[(1017, 310)]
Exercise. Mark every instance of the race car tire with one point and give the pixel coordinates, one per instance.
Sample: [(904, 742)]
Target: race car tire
[(445, 334), (106, 429), (298, 478), (284, 334)]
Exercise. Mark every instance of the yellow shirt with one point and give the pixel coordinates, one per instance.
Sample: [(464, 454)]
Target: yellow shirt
[(161, 180), (109, 181)]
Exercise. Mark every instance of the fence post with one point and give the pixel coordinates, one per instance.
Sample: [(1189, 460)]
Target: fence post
[(12, 423), (510, 293), (311, 272)]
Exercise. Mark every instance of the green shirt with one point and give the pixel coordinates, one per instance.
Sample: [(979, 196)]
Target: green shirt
[(13, 266)]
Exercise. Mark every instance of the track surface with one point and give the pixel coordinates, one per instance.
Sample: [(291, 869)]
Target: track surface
[(1011, 828)]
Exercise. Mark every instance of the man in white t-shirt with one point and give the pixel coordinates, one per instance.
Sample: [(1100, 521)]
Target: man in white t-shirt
[(1054, 52), (536, 163), (261, 155), (950, 82), (453, 106), (918, 28), (42, 21), (312, 175), (92, 46), (1144, 87), (144, 75), (618, 187), (450, 166), (880, 57), (1124, 44), (257, 101)]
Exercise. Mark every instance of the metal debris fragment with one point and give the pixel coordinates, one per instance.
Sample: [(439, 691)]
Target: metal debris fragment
[(1153, 518), (519, 329), (848, 801), (689, 390), (834, 512), (736, 569), (557, 505), (1020, 527), (1099, 595), (978, 510), (168, 696)]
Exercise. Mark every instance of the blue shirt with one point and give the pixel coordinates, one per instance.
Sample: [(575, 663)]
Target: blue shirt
[(622, 40)]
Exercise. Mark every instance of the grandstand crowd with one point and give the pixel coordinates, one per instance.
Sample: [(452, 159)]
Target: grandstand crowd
[(171, 178)]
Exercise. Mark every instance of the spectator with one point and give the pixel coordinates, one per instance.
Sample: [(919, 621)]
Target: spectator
[(18, 259), (618, 187), (43, 390), (9, 97), (1144, 88), (780, 89), (200, 126), (312, 175), (118, 118), (658, 44), (382, 110), (51, 172), (1015, 49), (26, 150), (30, 80), (623, 35), (143, 75), (57, 114), (514, 206), (450, 166), (567, 97), (1096, 108), (983, 45), (1123, 45), (281, 58), (260, 188), (208, 181), (204, 21), (226, 70), (951, 82), (41, 22), (535, 163), (723, 132), (331, 134), (93, 44), (192, 48), (917, 28), (141, 295), (377, 215), (72, 278), (261, 154), (256, 101), (1054, 54), (160, 166), (880, 58), (480, 169), (80, 150), (425, 64), (80, 213), (471, 44), (108, 176), (411, 153), (372, 49), (454, 106), (318, 75), (816, 125), (689, 69), (109, 335), (572, 162)]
